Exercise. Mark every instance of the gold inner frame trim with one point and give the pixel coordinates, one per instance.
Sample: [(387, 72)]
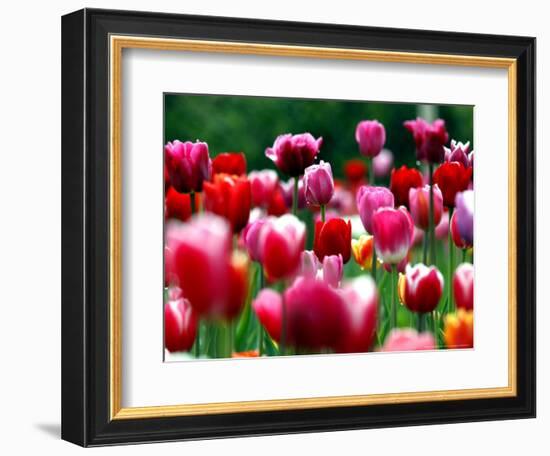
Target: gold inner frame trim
[(117, 44)]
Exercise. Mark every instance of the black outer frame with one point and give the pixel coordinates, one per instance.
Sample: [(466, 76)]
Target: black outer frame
[(85, 227)]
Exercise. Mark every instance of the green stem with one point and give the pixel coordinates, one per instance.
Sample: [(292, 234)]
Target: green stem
[(464, 254), (421, 321), (393, 321), (197, 348), (373, 265), (193, 205), (295, 196), (450, 266), (431, 220), (323, 208)]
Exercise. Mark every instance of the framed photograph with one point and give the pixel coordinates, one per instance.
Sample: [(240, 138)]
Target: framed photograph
[(275, 227)]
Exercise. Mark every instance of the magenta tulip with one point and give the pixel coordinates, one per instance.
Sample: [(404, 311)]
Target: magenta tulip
[(423, 288), (318, 184), (408, 340), (268, 307), (463, 286), (464, 213), (251, 236), (371, 136), (419, 204), (369, 199), (180, 325), (382, 164), (393, 232), (262, 185), (280, 244), (294, 153), (360, 298), (429, 139), (188, 165)]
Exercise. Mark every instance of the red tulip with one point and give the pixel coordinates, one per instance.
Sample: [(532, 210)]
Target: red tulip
[(212, 278), (419, 203), (316, 316), (229, 163), (268, 307), (178, 205), (229, 196), (280, 244), (463, 286), (452, 177), (408, 340), (263, 185), (393, 234), (166, 179), (423, 288), (333, 238), (355, 171), (459, 329), (360, 298), (401, 181), (188, 165), (277, 205), (371, 136), (180, 325), (429, 139), (294, 153)]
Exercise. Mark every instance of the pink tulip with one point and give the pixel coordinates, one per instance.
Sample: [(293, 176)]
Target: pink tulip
[(369, 199), (212, 278), (408, 340), (268, 307), (309, 264), (382, 164), (423, 288), (333, 270), (393, 233), (464, 213), (251, 236), (419, 204), (318, 184), (371, 136), (262, 185), (458, 152), (294, 153), (180, 325), (343, 201), (280, 244), (315, 315), (287, 190), (463, 286), (361, 303), (188, 165), (442, 228)]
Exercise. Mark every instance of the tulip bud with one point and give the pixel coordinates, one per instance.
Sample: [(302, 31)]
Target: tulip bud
[(263, 185), (233, 163), (408, 340), (294, 153), (281, 242), (393, 231), (419, 204), (188, 165), (369, 199), (465, 216), (423, 288), (362, 250), (318, 184), (333, 238), (401, 181), (371, 136), (180, 325), (463, 286), (459, 329), (333, 270)]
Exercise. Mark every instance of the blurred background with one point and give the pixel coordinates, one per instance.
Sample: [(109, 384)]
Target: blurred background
[(250, 124)]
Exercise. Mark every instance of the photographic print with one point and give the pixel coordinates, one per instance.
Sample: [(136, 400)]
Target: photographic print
[(301, 227)]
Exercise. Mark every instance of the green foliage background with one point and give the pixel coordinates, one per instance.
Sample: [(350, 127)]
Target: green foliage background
[(250, 124)]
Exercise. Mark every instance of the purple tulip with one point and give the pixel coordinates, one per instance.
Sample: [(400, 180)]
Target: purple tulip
[(464, 202), (294, 153), (188, 165), (333, 270), (369, 199), (287, 189), (318, 184), (382, 163), (371, 136)]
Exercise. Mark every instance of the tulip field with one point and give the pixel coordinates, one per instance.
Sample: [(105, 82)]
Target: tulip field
[(297, 227)]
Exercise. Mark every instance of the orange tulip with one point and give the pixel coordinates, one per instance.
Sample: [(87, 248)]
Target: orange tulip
[(459, 329), (362, 250)]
